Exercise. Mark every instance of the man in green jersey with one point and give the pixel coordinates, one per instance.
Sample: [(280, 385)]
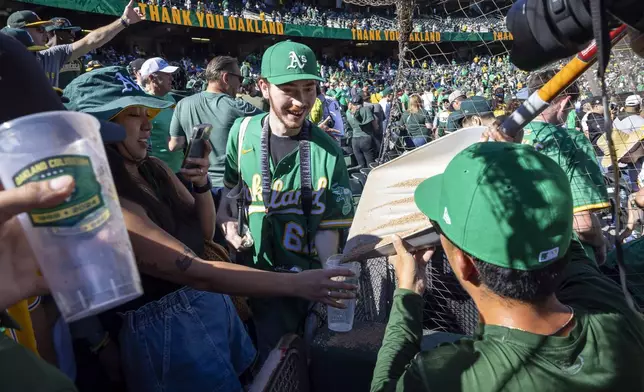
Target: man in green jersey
[(549, 319), (298, 193), (156, 75), (576, 156)]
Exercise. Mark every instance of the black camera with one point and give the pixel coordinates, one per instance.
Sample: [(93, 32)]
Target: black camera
[(549, 30)]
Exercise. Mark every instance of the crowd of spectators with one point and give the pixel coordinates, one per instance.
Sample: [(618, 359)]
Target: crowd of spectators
[(365, 19)]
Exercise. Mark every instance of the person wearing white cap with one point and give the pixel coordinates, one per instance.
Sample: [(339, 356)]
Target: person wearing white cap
[(156, 76), (455, 99), (630, 119)]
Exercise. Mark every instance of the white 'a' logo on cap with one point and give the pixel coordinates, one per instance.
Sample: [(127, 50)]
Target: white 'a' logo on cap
[(296, 62), (446, 217), (128, 83)]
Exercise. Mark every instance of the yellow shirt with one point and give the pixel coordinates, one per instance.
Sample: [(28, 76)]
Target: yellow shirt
[(20, 313)]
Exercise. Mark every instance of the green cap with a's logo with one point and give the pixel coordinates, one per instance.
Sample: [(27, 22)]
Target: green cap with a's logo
[(105, 92), (289, 61), (503, 203)]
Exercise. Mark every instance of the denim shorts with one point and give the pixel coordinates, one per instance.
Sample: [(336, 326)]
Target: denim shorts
[(189, 340)]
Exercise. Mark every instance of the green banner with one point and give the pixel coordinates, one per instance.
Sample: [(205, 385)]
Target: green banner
[(220, 22)]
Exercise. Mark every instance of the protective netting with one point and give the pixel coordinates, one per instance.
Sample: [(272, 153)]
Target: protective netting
[(466, 55)]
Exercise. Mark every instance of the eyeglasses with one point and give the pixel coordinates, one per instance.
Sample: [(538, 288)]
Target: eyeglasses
[(241, 78)]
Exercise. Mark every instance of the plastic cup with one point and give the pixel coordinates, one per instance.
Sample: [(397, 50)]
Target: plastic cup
[(341, 320), (81, 245)]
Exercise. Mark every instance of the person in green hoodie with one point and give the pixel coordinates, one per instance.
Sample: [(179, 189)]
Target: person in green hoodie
[(550, 320)]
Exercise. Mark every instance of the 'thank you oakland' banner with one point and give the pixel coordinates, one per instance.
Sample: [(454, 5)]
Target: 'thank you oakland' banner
[(193, 18)]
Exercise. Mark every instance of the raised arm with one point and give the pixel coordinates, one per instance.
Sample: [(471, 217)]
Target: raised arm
[(103, 35)]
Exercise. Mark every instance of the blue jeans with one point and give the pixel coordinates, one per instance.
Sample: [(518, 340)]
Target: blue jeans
[(189, 340)]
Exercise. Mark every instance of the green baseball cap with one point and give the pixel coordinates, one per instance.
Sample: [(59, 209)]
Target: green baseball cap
[(24, 37), (105, 92), (475, 105), (503, 203), (59, 23), (289, 61), (24, 19)]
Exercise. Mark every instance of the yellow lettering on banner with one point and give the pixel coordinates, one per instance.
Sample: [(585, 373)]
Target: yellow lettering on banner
[(359, 35), (165, 16), (249, 26), (176, 16), (280, 28), (143, 7), (154, 13), (271, 28), (372, 36), (240, 25), (264, 28), (255, 21), (353, 34), (186, 17), (386, 34), (511, 36), (378, 38), (210, 21), (365, 35), (437, 36), (232, 23), (200, 16), (219, 21)]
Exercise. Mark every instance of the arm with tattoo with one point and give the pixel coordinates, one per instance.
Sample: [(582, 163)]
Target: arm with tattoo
[(160, 255)]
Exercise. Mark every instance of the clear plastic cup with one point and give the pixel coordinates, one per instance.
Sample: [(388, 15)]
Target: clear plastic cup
[(82, 245), (341, 320)]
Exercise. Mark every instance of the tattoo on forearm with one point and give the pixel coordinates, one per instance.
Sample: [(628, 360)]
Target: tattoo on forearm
[(185, 261)]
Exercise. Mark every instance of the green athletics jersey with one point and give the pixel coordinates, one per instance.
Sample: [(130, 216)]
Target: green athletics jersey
[(280, 237), (603, 352), (576, 156)]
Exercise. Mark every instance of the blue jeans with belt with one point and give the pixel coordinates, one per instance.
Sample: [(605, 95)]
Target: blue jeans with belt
[(189, 340)]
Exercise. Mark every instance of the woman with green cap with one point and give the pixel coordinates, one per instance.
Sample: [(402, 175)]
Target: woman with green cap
[(179, 335)]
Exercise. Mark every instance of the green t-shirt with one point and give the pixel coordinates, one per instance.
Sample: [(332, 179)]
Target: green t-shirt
[(415, 123), (69, 72), (603, 352), (160, 136), (404, 99), (361, 121), (218, 109), (576, 156), (280, 240), (22, 371)]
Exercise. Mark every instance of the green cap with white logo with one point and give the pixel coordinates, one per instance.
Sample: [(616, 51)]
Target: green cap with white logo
[(503, 203), (105, 92), (289, 61)]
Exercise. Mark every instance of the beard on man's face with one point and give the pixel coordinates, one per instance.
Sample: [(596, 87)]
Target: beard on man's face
[(292, 117)]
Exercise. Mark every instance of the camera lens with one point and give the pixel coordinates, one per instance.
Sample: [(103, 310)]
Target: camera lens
[(547, 30)]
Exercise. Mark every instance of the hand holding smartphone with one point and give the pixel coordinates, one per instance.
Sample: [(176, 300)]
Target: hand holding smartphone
[(197, 144)]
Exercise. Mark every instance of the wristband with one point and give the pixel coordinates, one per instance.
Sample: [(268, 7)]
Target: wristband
[(124, 22), (202, 189)]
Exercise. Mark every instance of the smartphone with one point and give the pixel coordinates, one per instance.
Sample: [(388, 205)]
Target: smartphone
[(197, 143)]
